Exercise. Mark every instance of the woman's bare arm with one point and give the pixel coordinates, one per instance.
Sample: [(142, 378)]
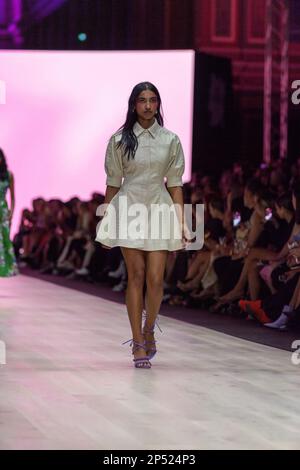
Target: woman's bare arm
[(176, 194), (110, 192), (255, 230), (12, 194)]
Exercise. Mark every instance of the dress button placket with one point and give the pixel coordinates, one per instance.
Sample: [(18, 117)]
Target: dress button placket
[(148, 149)]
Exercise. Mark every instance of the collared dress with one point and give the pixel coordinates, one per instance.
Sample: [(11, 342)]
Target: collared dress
[(142, 214)]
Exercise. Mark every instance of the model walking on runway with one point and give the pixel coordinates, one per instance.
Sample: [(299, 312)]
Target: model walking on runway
[(8, 265), (143, 152)]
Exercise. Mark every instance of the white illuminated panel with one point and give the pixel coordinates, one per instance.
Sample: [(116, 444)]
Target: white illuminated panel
[(62, 107)]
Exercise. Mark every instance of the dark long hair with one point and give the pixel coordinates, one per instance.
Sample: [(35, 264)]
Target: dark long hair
[(285, 202), (129, 140), (3, 167)]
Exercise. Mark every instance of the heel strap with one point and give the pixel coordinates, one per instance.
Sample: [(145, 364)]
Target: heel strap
[(150, 330), (136, 345)]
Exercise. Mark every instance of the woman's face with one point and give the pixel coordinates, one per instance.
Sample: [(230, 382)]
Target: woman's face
[(146, 105)]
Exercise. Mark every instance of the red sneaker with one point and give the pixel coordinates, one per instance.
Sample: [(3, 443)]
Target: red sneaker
[(254, 308)]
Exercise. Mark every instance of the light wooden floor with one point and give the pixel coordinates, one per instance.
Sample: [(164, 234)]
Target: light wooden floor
[(69, 384)]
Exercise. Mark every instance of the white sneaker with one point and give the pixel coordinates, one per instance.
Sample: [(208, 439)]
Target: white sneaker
[(82, 272), (280, 323), (119, 287), (118, 272)]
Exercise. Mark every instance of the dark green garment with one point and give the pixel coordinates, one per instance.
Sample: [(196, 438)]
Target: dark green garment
[(8, 265)]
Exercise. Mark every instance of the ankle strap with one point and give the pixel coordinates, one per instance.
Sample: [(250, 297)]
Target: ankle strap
[(150, 329), (134, 343)]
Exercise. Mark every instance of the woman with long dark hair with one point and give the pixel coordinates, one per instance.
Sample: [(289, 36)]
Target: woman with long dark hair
[(8, 266), (143, 152)]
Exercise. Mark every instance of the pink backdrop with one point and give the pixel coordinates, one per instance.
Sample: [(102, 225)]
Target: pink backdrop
[(62, 107)]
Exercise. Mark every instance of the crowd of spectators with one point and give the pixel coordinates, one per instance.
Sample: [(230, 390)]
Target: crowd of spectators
[(249, 264)]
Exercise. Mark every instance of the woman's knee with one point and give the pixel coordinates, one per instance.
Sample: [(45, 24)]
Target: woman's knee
[(154, 281), (136, 275)]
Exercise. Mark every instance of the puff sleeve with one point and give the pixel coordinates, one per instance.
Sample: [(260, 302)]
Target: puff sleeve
[(113, 164), (176, 165)]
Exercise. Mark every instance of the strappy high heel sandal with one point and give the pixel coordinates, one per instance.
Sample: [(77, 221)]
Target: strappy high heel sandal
[(139, 362), (150, 345)]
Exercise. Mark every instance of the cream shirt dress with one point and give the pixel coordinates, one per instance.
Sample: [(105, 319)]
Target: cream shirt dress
[(141, 215)]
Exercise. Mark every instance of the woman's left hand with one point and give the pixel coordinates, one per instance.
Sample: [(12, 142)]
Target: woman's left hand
[(185, 236)]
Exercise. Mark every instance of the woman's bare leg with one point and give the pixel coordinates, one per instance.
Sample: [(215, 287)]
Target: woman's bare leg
[(65, 252), (202, 264), (239, 288), (89, 251), (254, 281), (135, 261), (254, 255), (155, 268), (197, 261), (170, 264)]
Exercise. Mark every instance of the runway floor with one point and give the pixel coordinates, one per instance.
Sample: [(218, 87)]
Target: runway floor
[(69, 384)]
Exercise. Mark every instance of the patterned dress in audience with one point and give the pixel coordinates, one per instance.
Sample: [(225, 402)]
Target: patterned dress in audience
[(8, 265)]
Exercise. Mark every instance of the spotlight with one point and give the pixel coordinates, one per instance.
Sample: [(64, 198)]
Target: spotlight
[(82, 37)]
